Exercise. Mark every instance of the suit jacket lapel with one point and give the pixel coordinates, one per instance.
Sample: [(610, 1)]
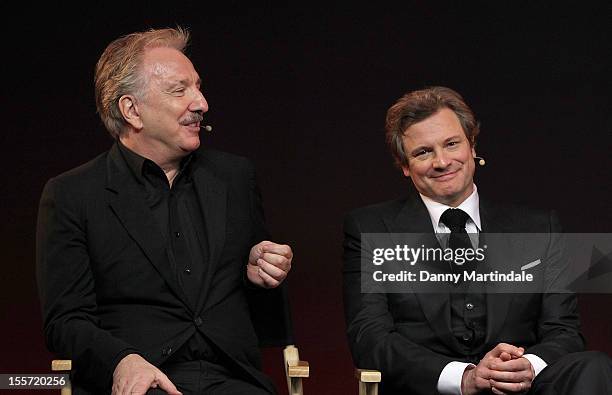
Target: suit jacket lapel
[(414, 218), (212, 196), (127, 202)]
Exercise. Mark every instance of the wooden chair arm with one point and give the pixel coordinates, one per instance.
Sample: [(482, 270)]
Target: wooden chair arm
[(368, 381), (295, 370), (63, 365)]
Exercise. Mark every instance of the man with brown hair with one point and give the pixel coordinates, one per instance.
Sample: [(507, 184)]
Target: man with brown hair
[(459, 340), (148, 256)]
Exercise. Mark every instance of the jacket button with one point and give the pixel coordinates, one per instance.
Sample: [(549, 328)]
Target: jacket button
[(167, 351), (467, 337), (469, 306), (197, 321)]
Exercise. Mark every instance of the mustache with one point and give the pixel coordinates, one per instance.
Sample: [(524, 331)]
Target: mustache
[(191, 118)]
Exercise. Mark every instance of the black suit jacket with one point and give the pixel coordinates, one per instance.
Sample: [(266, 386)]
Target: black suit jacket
[(106, 284), (408, 337)]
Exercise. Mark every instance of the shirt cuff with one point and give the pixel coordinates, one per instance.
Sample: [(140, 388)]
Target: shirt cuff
[(537, 363), (449, 382)]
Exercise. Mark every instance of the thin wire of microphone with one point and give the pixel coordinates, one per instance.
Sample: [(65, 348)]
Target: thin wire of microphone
[(481, 160), (207, 128)]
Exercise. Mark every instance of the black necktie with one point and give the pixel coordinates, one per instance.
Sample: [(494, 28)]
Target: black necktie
[(456, 219), (468, 300)]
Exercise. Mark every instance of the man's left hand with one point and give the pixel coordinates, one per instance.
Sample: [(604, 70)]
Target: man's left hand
[(269, 264), (511, 375)]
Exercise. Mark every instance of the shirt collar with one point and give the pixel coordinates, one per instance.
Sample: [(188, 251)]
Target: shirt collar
[(136, 163), (470, 206)]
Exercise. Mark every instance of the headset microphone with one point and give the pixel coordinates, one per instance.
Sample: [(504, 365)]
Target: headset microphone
[(207, 128), (481, 160)]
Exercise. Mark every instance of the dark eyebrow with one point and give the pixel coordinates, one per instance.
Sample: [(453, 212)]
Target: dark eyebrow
[(457, 136)]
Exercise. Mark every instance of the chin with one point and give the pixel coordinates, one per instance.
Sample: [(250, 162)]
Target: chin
[(191, 145), (446, 196), (456, 197), (447, 192)]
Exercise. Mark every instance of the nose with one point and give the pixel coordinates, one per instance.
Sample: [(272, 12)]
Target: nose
[(440, 161), (199, 103)]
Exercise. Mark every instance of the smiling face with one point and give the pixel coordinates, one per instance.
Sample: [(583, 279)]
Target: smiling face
[(167, 117), (440, 158)]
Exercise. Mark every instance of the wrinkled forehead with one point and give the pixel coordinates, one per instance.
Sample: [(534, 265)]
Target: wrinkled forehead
[(165, 64), (442, 125)]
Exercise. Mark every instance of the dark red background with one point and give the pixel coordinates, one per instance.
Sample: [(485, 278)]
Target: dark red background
[(303, 91)]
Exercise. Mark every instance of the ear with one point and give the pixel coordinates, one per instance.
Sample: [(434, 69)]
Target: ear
[(473, 152), (406, 171), (129, 110)]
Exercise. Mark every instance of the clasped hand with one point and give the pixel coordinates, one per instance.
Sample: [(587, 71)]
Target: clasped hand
[(503, 370)]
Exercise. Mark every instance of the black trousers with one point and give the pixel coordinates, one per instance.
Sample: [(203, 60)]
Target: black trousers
[(580, 373), (204, 378)]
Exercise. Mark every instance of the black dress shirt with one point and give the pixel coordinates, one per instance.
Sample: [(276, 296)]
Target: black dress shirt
[(177, 211)]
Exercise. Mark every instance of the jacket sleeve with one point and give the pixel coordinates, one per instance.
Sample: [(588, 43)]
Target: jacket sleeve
[(558, 328), (67, 289), (259, 231), (407, 367)]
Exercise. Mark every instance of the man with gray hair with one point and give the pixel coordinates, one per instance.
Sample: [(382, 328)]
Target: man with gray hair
[(148, 255)]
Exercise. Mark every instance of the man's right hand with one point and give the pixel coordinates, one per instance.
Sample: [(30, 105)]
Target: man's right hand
[(477, 379), (134, 375)]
